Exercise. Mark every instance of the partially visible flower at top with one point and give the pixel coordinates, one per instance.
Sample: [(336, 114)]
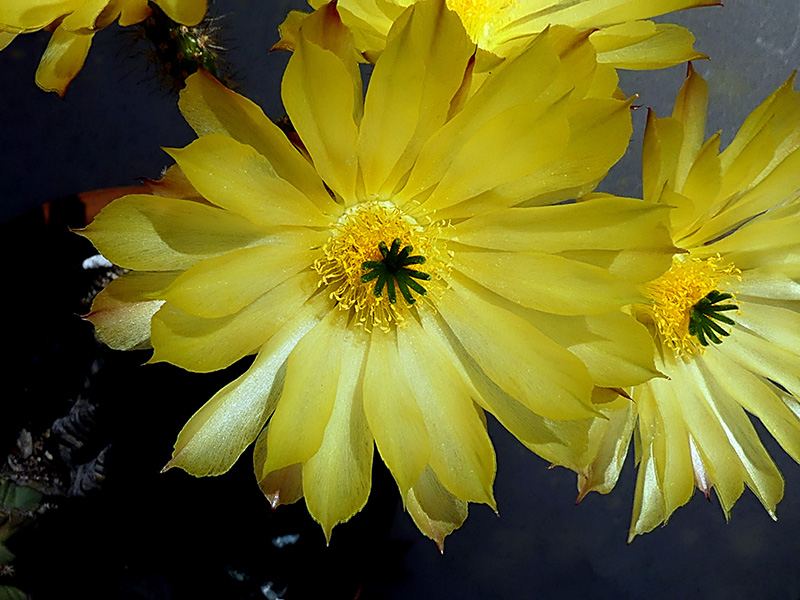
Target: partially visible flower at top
[(725, 317), (417, 264), (621, 34), (73, 24)]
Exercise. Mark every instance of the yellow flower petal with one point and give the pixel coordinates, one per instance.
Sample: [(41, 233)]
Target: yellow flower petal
[(410, 92), (616, 349), (530, 367), (236, 177), (644, 45), (609, 440), (202, 345), (6, 38), (554, 288), (599, 135), (132, 12), (771, 281), (436, 512), (599, 13), (767, 124), (514, 143), (186, 12), (702, 182), (626, 236), (309, 392), (394, 418), (461, 452), (322, 94), (773, 323), (217, 434), (766, 242), (24, 17), (121, 313), (690, 110), (778, 412), (666, 461), (660, 150), (370, 22), (162, 234), (764, 358), (210, 107), (338, 478), (223, 285), (84, 18), (62, 60)]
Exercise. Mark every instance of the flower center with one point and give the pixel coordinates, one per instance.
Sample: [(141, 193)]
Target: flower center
[(688, 304), (481, 18), (375, 250)]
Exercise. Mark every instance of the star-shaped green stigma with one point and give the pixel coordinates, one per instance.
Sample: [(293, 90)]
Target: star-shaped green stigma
[(393, 268), (700, 320)]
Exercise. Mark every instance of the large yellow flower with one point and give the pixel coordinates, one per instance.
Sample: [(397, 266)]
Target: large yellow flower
[(73, 24), (724, 317), (416, 265), (621, 34)]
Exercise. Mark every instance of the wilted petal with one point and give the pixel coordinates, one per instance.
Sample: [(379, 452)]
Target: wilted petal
[(436, 512), (121, 313), (284, 486)]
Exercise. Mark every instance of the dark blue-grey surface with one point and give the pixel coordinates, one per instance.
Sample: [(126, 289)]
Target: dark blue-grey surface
[(108, 131)]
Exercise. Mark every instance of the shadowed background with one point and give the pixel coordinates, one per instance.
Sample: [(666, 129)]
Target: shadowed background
[(146, 535)]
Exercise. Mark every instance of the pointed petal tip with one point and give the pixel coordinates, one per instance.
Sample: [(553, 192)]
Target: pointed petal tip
[(273, 499)]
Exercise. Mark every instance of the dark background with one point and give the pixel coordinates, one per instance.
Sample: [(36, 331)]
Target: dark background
[(146, 535)]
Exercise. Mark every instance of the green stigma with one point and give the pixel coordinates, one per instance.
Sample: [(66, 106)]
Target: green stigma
[(705, 312), (393, 268)]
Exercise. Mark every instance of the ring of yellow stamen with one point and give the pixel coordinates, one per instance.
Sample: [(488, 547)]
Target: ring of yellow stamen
[(678, 291), (356, 239)]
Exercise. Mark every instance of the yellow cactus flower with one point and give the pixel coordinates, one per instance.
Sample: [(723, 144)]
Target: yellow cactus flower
[(725, 317), (621, 33), (73, 24), (416, 264)]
